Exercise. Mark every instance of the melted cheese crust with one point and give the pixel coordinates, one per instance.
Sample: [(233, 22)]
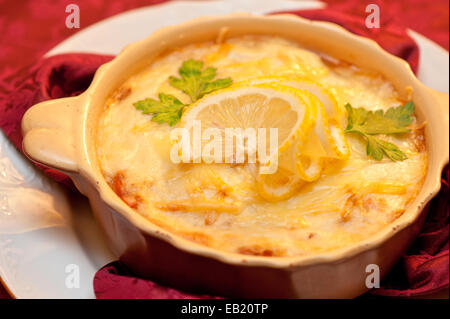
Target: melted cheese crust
[(217, 204)]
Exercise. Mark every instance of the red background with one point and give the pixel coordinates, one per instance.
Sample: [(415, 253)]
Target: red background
[(29, 28)]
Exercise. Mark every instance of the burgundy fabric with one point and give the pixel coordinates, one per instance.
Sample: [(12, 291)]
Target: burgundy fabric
[(423, 270), (51, 78), (30, 28), (114, 281), (430, 18), (390, 36)]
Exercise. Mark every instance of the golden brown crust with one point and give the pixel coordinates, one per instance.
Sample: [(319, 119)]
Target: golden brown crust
[(197, 237), (118, 184), (418, 137), (257, 250), (350, 203), (122, 93), (118, 95), (210, 218)]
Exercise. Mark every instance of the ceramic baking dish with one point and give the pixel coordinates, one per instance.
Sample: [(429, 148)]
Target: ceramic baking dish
[(61, 134)]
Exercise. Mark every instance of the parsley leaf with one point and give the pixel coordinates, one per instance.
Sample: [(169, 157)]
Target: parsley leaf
[(196, 82), (394, 121), (377, 148), (369, 123), (168, 109)]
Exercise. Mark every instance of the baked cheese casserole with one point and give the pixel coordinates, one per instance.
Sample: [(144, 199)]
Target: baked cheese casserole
[(350, 154)]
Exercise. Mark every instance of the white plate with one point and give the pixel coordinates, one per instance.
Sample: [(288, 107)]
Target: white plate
[(45, 230)]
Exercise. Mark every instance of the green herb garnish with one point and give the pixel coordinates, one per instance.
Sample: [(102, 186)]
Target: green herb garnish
[(194, 81), (369, 123), (168, 109)]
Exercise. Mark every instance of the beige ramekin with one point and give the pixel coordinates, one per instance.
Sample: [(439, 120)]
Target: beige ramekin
[(61, 134)]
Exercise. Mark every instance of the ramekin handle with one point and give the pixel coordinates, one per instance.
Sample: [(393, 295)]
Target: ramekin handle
[(442, 100), (49, 132)]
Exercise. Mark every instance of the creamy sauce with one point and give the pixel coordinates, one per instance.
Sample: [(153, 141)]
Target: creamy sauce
[(351, 201)]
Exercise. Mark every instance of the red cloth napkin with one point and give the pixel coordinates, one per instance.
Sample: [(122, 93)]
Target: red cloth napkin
[(429, 18), (115, 281), (51, 78), (390, 36), (424, 269)]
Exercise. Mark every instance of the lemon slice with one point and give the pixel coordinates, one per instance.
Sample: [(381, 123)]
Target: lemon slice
[(328, 139), (329, 102), (265, 105), (305, 135), (294, 170), (304, 161), (281, 185)]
